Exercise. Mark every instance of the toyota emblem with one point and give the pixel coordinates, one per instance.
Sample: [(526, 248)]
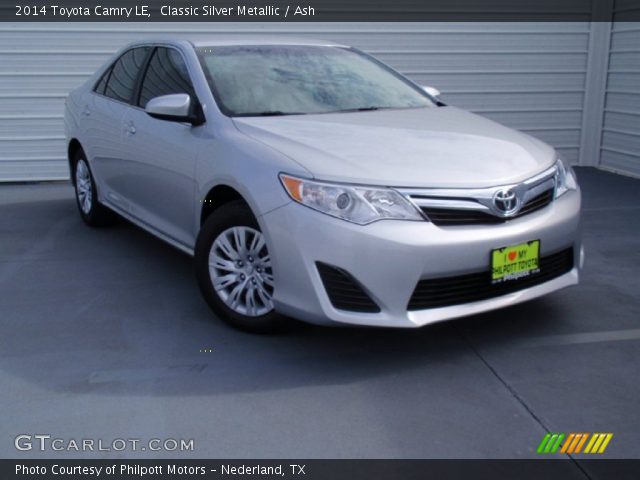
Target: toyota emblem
[(506, 201)]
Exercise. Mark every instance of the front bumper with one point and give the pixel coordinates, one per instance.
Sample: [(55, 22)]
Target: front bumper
[(389, 257)]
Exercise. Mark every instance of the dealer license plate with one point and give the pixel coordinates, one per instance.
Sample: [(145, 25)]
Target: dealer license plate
[(514, 262)]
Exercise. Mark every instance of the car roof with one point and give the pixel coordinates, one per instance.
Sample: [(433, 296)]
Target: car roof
[(208, 41), (228, 40)]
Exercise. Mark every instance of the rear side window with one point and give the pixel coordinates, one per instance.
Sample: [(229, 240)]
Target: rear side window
[(122, 80), (166, 74), (100, 86)]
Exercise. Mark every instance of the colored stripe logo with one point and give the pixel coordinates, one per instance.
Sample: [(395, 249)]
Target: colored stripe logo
[(574, 442)]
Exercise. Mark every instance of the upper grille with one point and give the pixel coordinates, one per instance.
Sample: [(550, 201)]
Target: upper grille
[(448, 291), (344, 291), (536, 203), (452, 217)]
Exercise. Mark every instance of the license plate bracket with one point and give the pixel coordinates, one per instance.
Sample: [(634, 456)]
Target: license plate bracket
[(515, 262)]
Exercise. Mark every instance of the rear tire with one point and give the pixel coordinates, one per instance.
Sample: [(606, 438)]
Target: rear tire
[(234, 271), (92, 212)]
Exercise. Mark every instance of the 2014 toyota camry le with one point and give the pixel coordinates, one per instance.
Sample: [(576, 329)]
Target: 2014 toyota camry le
[(310, 180)]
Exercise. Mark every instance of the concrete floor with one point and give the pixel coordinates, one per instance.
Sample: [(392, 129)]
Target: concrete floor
[(102, 332)]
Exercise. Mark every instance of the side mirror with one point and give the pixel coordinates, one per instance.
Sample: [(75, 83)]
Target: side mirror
[(431, 91), (177, 107)]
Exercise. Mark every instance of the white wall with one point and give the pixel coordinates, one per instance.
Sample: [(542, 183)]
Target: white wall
[(530, 76), (620, 149)]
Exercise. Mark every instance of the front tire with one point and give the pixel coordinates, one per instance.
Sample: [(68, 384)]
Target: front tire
[(234, 269), (91, 211)]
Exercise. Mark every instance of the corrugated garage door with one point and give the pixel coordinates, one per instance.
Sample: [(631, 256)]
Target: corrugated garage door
[(621, 129), (527, 75)]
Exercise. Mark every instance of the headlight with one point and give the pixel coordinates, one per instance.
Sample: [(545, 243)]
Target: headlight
[(565, 178), (355, 204)]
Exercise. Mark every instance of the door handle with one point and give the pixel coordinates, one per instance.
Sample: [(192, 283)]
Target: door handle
[(130, 128), (86, 112)]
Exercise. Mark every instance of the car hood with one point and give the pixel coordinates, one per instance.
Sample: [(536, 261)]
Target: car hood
[(423, 147)]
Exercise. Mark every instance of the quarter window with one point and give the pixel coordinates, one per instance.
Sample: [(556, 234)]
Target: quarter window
[(122, 80), (166, 74)]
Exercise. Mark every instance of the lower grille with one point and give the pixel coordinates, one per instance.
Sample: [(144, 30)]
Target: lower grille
[(451, 217), (448, 291), (344, 291)]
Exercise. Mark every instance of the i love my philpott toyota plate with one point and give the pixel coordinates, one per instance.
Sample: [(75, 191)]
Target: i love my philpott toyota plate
[(514, 262)]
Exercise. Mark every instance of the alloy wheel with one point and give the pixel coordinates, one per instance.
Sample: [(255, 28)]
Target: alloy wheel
[(84, 187), (240, 270)]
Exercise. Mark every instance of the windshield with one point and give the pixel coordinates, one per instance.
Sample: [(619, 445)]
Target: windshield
[(285, 80)]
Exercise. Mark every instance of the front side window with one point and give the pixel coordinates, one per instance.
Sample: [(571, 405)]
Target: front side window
[(122, 80), (297, 79), (166, 74)]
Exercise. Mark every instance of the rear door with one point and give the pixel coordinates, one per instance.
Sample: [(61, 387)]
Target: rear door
[(160, 155), (103, 115)]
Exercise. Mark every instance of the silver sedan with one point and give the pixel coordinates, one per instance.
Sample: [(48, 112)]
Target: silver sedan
[(310, 180)]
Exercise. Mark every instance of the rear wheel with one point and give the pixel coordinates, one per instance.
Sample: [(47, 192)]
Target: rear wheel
[(91, 211), (234, 269)]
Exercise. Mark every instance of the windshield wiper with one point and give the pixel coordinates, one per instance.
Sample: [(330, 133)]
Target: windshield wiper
[(269, 113), (360, 109), (279, 113)]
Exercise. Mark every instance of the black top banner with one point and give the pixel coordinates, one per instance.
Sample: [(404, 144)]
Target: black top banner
[(318, 10)]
